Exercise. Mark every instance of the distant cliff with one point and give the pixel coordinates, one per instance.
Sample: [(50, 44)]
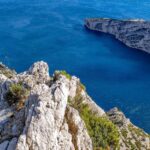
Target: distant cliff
[(42, 112), (133, 33)]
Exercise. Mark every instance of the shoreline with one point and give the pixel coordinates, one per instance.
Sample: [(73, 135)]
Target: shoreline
[(129, 32)]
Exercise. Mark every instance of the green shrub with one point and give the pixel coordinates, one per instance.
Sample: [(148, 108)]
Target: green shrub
[(101, 130), (138, 144), (16, 94), (133, 147), (64, 73), (137, 131), (124, 133)]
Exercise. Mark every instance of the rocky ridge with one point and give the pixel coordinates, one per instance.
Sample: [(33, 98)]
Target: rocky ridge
[(48, 119), (133, 33)]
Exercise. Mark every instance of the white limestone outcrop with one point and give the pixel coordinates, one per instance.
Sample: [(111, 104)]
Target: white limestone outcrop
[(47, 121)]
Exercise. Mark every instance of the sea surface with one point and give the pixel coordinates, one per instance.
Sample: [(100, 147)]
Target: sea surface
[(53, 31)]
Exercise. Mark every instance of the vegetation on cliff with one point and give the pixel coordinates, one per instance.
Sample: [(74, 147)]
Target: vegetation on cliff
[(16, 94), (62, 72), (103, 132), (84, 124)]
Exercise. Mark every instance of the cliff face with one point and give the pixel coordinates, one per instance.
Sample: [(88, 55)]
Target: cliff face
[(39, 112), (133, 33)]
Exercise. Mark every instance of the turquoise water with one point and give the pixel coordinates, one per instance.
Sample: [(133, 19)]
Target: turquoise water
[(53, 31)]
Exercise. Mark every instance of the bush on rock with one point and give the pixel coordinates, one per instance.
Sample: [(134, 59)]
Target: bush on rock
[(16, 94), (103, 132)]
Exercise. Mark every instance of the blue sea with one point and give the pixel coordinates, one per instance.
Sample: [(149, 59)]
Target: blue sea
[(53, 31)]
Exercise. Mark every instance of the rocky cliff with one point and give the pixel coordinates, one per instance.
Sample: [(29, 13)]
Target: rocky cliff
[(133, 33), (39, 112)]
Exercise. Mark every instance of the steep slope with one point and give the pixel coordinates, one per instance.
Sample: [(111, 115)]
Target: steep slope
[(131, 137), (133, 33), (39, 112)]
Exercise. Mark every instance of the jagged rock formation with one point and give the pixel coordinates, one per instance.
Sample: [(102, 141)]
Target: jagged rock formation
[(133, 33), (6, 71), (47, 121), (131, 137)]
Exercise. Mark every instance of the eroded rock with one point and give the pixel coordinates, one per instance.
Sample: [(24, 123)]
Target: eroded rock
[(131, 137), (48, 122), (133, 33), (77, 128)]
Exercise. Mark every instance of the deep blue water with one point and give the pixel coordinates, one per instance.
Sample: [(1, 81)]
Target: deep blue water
[(53, 31)]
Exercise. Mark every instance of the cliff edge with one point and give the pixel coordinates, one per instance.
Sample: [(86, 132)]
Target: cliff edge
[(39, 112)]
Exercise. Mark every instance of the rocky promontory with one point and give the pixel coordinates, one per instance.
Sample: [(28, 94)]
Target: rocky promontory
[(43, 112), (133, 33)]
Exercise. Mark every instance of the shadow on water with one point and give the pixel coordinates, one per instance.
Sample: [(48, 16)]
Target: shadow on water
[(120, 48)]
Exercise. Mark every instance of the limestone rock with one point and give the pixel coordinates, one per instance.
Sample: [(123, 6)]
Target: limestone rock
[(12, 144), (45, 119), (131, 137), (78, 130), (75, 88), (11, 122), (4, 86), (118, 118), (133, 33), (48, 122), (92, 105), (3, 146), (40, 71), (6, 71), (37, 73)]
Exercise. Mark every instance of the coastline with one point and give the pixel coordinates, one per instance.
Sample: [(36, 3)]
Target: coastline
[(126, 31)]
